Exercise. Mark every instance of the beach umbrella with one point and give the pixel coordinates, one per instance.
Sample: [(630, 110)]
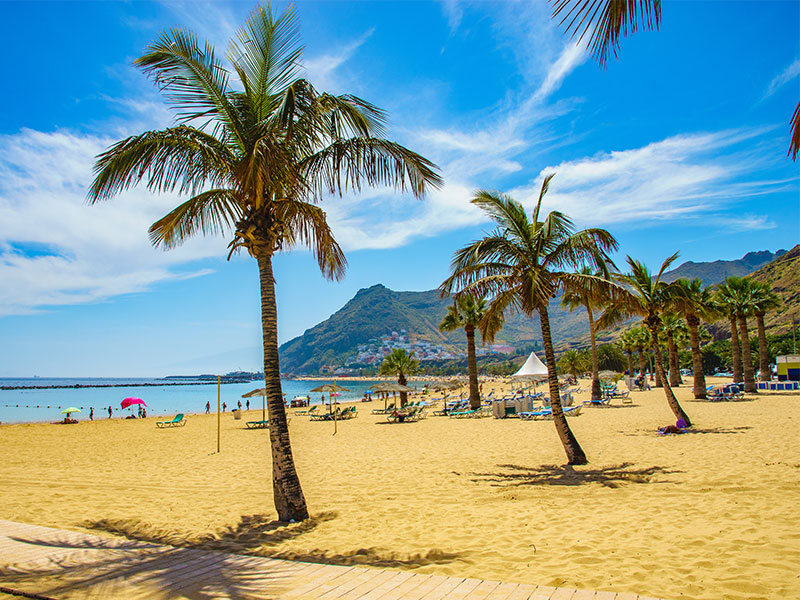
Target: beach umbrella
[(331, 387), (607, 374), (130, 401), (390, 386), (71, 409), (263, 393)]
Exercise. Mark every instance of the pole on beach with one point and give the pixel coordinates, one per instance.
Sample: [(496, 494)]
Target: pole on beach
[(336, 408), (219, 393)]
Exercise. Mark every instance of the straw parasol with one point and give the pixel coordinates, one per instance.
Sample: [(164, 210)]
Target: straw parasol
[(330, 387), (390, 386), (263, 393)]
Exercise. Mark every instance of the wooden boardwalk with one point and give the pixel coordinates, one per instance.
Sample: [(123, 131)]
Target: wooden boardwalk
[(63, 564)]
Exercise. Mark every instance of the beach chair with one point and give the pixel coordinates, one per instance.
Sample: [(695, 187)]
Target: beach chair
[(383, 411), (178, 421), (348, 413), (604, 401), (535, 415), (257, 424), (307, 411), (404, 415)]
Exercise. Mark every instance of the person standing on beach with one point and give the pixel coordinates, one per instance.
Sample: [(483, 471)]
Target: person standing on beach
[(91, 413), (248, 404), (240, 405), (208, 407), (109, 412), (224, 406)]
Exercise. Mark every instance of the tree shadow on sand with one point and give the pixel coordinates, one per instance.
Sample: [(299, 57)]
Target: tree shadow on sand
[(611, 476), (66, 565), (257, 535), (694, 430)]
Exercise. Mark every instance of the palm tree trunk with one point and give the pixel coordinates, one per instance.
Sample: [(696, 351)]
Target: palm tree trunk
[(763, 351), (629, 353), (288, 495), (575, 454), (674, 367), (642, 361), (596, 397), (671, 399), (657, 358), (698, 376), (401, 379), (736, 350), (472, 367), (747, 356)]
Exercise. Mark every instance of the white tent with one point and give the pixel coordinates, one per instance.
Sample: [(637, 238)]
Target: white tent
[(533, 367)]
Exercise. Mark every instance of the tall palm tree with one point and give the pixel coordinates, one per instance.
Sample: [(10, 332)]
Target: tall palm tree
[(574, 362), (627, 341), (764, 299), (695, 302), (254, 162), (725, 299), (673, 328), (743, 297), (402, 364), (469, 314), (641, 337), (605, 21), (592, 294), (647, 296), (520, 266)]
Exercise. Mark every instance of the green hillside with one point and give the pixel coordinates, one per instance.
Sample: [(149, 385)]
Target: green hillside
[(378, 311), (783, 274)]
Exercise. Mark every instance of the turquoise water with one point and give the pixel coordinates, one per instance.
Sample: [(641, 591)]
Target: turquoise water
[(23, 406)]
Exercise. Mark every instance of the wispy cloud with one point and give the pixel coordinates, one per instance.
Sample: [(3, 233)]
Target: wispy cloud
[(789, 73), (93, 252), (322, 70), (453, 12)]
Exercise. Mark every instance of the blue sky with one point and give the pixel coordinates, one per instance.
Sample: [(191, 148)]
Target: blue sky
[(680, 144)]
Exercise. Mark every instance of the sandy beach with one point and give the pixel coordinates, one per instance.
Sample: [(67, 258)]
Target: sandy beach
[(707, 515)]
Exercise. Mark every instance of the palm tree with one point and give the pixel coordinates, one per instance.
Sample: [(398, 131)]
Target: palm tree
[(592, 294), (725, 299), (641, 338), (743, 298), (573, 362), (605, 21), (519, 266), (764, 299), (695, 303), (627, 341), (402, 364), (469, 313), (673, 327), (255, 163), (648, 297)]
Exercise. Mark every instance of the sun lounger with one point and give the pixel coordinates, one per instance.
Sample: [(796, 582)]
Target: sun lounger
[(383, 411), (307, 411), (257, 424), (178, 421)]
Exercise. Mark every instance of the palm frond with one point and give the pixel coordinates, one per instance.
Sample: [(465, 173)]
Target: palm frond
[(193, 80), (605, 21), (179, 157), (794, 145), (211, 212), (346, 165)]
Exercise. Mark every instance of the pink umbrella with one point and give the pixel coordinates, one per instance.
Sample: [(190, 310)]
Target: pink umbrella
[(128, 401)]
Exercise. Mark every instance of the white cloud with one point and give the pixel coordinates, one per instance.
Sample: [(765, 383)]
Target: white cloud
[(454, 12), (321, 71), (789, 73), (91, 252)]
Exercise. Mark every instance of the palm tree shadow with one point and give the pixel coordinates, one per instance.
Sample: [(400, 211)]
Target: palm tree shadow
[(611, 476), (96, 568), (258, 536), (694, 430)]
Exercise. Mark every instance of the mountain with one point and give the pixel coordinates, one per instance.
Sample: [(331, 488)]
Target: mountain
[(714, 272), (352, 335), (783, 274)]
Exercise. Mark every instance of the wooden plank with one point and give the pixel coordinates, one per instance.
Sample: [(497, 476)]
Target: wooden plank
[(562, 594), (583, 595), (627, 596), (357, 592), (483, 590), (605, 595), (315, 580), (443, 589), (409, 586), (387, 586), (351, 583), (542, 592), (523, 592), (503, 591), (426, 586), (464, 588), (344, 576)]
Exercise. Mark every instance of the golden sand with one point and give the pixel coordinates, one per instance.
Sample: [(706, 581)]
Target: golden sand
[(711, 514)]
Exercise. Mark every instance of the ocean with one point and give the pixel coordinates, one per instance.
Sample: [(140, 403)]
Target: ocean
[(42, 405)]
